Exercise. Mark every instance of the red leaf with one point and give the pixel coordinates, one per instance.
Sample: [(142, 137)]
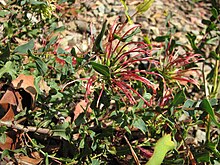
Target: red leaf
[(146, 153)]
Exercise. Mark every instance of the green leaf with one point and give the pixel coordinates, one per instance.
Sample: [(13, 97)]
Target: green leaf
[(192, 39), (213, 101), (188, 104), (73, 52), (24, 48), (46, 159), (214, 12), (98, 41), (2, 138), (61, 131), (41, 65), (8, 68), (82, 143), (163, 145), (3, 129), (144, 6), (206, 22), (96, 162), (5, 153), (205, 105), (147, 40), (202, 157), (23, 2), (102, 69), (140, 124), (126, 11), (213, 40), (51, 42), (162, 38), (211, 27), (3, 13), (213, 147), (80, 119), (34, 2), (128, 38), (5, 53), (179, 98), (8, 27)]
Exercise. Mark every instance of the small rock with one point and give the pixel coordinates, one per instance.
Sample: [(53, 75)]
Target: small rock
[(110, 2), (200, 136), (82, 25), (71, 26), (101, 9)]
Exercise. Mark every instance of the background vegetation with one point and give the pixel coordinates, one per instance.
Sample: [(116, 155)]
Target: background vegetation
[(113, 102)]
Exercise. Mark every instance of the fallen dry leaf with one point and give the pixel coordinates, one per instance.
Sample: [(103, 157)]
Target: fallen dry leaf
[(10, 103), (12, 140), (21, 94), (9, 112), (8, 143), (11, 97), (43, 86), (80, 108), (26, 160), (26, 82)]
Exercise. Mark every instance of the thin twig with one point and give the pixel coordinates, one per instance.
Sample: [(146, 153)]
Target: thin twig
[(132, 151)]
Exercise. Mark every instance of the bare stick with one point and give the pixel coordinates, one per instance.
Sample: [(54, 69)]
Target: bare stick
[(25, 128)]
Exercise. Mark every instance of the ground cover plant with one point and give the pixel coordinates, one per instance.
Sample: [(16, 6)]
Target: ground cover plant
[(121, 101)]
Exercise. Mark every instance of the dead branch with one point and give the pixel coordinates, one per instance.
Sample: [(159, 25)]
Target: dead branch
[(17, 126)]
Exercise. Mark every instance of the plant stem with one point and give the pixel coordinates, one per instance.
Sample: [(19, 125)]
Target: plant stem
[(205, 81), (206, 95), (208, 128), (216, 85)]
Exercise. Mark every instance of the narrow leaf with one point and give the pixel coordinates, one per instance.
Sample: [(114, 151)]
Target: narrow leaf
[(163, 145), (126, 11), (24, 48), (179, 98), (128, 37), (102, 69), (51, 42), (214, 12), (5, 53), (41, 65), (205, 105), (162, 38), (147, 40), (144, 6), (98, 41), (34, 2), (192, 39)]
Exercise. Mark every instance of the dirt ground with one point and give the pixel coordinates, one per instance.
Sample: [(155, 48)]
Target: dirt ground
[(84, 18)]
